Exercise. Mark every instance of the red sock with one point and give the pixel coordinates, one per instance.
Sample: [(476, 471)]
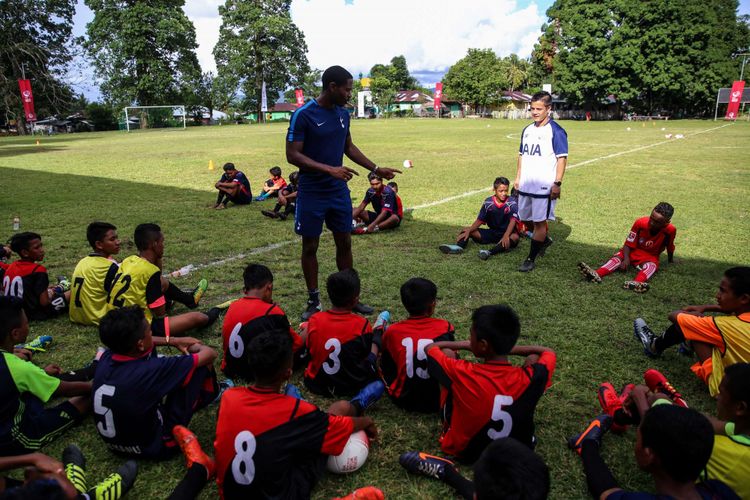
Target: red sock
[(647, 270), (609, 267)]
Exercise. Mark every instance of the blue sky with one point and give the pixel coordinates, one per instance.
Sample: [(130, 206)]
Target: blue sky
[(431, 34)]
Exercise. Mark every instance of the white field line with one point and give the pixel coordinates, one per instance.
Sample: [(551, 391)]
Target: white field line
[(281, 244)]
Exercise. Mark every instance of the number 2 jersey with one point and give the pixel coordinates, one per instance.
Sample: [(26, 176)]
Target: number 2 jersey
[(137, 282), (27, 281), (488, 401), (91, 280), (404, 362), (339, 343), (268, 444)]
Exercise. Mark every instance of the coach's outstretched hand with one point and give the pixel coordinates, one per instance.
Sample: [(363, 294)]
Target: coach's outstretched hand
[(388, 173), (342, 172)]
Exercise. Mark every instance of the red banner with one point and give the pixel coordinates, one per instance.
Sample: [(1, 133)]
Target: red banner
[(300, 97), (28, 100), (734, 100), (438, 95)]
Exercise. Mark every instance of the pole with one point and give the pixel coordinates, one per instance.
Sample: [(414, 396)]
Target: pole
[(716, 109), (742, 75), (127, 120)]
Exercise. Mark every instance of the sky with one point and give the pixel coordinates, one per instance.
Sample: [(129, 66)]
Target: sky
[(357, 34)]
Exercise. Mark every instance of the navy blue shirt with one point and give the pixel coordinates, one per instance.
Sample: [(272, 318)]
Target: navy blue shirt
[(385, 200), (498, 215), (323, 132), (240, 178)]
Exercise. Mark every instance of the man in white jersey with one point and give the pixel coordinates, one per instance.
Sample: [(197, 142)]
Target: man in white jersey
[(542, 158)]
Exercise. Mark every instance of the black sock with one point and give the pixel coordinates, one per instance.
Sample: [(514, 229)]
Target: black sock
[(277, 207), (288, 208), (598, 476), (313, 296), (497, 249), (536, 246), (455, 480), (213, 314), (671, 336), (463, 243), (220, 197), (178, 295), (191, 484)]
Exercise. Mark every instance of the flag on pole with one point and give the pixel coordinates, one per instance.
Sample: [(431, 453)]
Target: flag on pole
[(735, 96), (438, 96), (298, 93), (263, 100), (27, 97)]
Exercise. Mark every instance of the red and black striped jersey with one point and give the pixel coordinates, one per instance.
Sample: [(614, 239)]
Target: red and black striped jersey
[(640, 238), (404, 362), (245, 319), (339, 343), (263, 439), (27, 281), (488, 401)]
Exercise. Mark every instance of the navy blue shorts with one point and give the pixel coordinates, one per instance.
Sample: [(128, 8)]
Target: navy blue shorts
[(241, 198), (489, 236), (374, 215), (312, 210)]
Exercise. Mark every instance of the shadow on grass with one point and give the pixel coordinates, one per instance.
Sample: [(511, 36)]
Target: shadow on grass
[(589, 325), (28, 149)]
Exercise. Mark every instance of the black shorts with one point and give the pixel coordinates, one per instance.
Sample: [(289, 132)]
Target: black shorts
[(489, 236), (373, 215), (241, 198), (38, 427)]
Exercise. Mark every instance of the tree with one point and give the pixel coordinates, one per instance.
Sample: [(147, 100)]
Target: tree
[(383, 93), (516, 71), (35, 34), (258, 42), (477, 79), (397, 74), (310, 84), (144, 52)]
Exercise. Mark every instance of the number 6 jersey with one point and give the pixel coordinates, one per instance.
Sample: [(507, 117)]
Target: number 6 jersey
[(488, 401)]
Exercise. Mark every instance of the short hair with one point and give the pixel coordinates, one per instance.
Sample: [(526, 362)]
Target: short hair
[(417, 294), (97, 231), (121, 329), (500, 181), (145, 234), (228, 166), (665, 209), (737, 382), (498, 325), (543, 96), (739, 279), (393, 185), (293, 177), (509, 469), (269, 353), (342, 287), (22, 241), (337, 75), (11, 315), (256, 276), (682, 438), (275, 170), (373, 175)]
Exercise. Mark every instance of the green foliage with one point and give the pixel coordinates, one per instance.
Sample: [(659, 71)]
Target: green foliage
[(477, 79), (655, 55), (102, 116), (37, 34), (387, 79), (144, 52), (311, 86), (516, 71), (258, 42)]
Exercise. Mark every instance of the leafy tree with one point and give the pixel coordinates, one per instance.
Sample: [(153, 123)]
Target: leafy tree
[(397, 74), (144, 52), (258, 42), (477, 79), (311, 86), (102, 116), (383, 93), (516, 71), (37, 35)]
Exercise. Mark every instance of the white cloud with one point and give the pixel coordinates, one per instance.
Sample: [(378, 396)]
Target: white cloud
[(205, 17)]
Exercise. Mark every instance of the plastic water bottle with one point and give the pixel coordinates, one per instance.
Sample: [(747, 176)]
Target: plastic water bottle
[(16, 223), (183, 271)]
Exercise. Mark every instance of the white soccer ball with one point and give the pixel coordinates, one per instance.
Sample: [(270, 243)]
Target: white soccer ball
[(408, 164), (628, 129), (663, 129), (668, 136), (354, 455)]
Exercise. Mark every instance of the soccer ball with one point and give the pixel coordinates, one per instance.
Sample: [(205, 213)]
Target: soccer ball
[(354, 455), (408, 164)]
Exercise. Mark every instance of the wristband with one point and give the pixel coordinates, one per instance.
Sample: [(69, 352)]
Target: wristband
[(557, 183)]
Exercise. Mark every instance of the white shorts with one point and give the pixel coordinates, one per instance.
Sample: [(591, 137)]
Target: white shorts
[(535, 209)]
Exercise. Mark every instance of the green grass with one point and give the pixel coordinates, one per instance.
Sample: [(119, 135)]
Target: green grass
[(62, 184)]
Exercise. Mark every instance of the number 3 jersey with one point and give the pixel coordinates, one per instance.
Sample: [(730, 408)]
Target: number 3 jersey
[(404, 362), (488, 401), (268, 444), (339, 343)]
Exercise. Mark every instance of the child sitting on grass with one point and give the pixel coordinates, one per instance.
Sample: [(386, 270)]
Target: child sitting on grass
[(500, 214), (342, 358), (492, 399), (386, 212), (718, 341), (273, 185), (287, 199), (233, 186), (647, 239), (28, 281)]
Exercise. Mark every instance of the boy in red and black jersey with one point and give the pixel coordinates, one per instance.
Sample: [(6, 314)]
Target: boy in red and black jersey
[(647, 239), (28, 281), (342, 358), (492, 399), (403, 361), (387, 211), (270, 445), (249, 316)]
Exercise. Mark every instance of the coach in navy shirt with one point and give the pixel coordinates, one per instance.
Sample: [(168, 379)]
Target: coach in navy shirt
[(317, 140)]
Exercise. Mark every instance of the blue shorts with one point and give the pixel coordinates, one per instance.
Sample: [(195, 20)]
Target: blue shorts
[(313, 209)]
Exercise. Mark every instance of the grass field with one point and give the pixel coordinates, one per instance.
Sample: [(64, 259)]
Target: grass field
[(615, 176)]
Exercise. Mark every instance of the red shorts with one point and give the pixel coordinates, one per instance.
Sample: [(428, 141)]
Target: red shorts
[(638, 257)]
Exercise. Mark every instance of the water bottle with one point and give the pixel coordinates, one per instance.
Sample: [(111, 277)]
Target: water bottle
[(16, 223)]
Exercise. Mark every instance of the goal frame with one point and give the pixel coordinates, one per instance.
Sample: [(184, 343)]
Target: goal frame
[(172, 107)]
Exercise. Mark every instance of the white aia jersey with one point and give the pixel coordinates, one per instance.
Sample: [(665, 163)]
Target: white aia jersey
[(540, 149)]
